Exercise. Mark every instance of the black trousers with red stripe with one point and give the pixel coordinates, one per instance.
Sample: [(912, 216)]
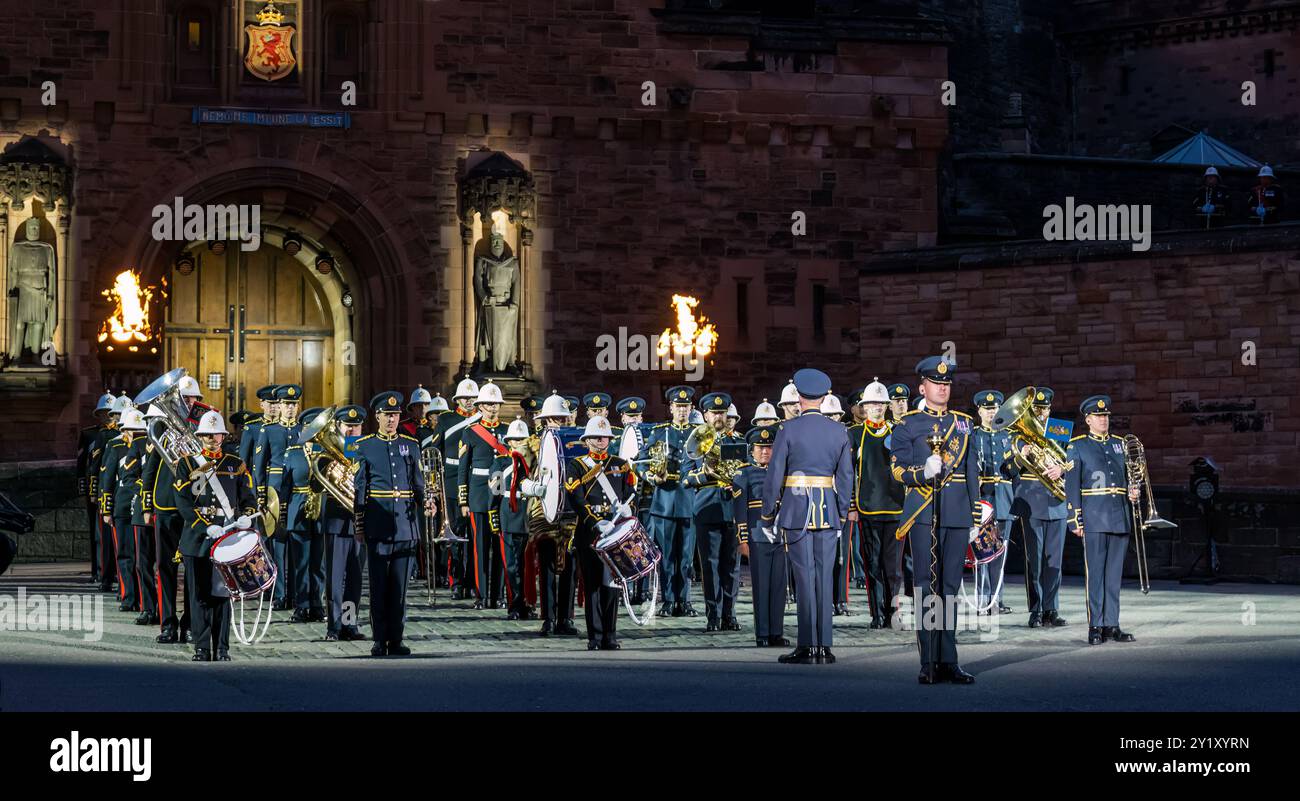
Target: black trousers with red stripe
[(145, 577), (487, 556), (128, 592), (168, 526), (107, 553)]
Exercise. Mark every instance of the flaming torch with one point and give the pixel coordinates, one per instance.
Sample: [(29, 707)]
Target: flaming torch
[(693, 338), (128, 326)]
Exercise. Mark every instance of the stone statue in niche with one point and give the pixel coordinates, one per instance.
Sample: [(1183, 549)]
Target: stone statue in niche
[(31, 292), (496, 292)]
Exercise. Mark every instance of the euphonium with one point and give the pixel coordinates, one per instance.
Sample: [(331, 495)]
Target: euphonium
[(331, 468), (705, 443), (1017, 415), (658, 458)]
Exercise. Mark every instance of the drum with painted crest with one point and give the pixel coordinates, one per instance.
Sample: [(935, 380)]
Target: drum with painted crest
[(628, 551), (243, 563)]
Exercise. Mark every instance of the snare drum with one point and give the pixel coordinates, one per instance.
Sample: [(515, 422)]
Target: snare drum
[(628, 551), (241, 560), (987, 545)]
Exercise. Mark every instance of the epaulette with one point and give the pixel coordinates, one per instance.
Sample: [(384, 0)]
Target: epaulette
[(660, 425), (962, 414), (1081, 436), (408, 436), (366, 437)]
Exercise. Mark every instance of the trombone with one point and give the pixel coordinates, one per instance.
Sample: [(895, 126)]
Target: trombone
[(432, 467), (1135, 463)]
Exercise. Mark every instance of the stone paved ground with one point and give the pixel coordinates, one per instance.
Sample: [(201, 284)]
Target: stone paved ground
[(1217, 647)]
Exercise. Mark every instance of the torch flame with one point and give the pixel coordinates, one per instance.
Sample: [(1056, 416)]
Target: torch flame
[(692, 336), (129, 321)]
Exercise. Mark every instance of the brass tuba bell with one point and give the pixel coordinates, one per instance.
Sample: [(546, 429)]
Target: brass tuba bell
[(1017, 416), (331, 468)]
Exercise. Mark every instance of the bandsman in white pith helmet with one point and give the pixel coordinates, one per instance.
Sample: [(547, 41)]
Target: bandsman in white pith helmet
[(556, 571), (479, 446), (789, 402), (119, 477), (90, 452), (878, 499), (454, 559), (207, 516), (764, 415), (512, 512)]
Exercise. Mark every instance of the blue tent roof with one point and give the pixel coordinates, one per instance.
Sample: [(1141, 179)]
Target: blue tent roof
[(1203, 149)]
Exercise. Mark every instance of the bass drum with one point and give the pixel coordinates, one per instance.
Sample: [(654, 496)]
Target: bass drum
[(631, 443), (550, 471)]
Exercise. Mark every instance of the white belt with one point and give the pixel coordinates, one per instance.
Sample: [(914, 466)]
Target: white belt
[(453, 462), (482, 471)]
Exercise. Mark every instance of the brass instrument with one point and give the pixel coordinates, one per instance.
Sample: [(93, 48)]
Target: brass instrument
[(171, 434), (1135, 462), (331, 468), (705, 443), (271, 514), (657, 456), (1017, 415)]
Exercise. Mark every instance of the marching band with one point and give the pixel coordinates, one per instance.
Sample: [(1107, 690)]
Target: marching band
[(904, 500)]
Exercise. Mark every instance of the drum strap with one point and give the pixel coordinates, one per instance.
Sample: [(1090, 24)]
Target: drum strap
[(491, 440), (608, 489), (210, 478)]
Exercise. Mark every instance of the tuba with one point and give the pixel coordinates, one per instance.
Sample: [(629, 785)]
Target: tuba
[(1017, 416), (171, 434), (705, 443), (331, 468)]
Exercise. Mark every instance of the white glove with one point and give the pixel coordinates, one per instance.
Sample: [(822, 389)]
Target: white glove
[(604, 527), (974, 532), (215, 531), (933, 465), (770, 533), (532, 489), (243, 521)]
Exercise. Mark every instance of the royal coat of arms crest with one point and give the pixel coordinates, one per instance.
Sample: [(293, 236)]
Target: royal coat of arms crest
[(268, 54)]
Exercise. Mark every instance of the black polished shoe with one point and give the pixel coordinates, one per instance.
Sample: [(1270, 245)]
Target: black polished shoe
[(859, 584), (877, 623), (592, 645), (799, 656), (514, 615), (124, 607), (827, 658), (223, 656), (566, 627), (545, 630), (1003, 609), (1035, 620), (185, 636), (610, 646), (665, 610), (458, 592), (952, 673), (351, 635), (331, 636), (201, 655), (928, 674), (730, 624), (379, 649), (142, 619), (1054, 620), (316, 615), (494, 605), (527, 613), (477, 605), (1119, 635), (300, 616), (679, 610), (168, 637), (1096, 636), (777, 641), (711, 625), (397, 649), (689, 610), (762, 643)]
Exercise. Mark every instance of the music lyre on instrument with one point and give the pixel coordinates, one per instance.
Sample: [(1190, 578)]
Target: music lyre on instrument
[(1135, 463)]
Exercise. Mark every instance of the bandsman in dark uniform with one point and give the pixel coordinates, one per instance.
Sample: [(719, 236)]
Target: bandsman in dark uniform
[(251, 431), (480, 445), (767, 564), (672, 506), (938, 563), (1099, 504), (413, 424), (531, 405), (764, 415), (344, 547), (89, 451), (106, 537), (447, 436), (207, 513), (119, 486), (161, 512), (596, 510), (996, 468), (269, 472), (1211, 202), (713, 519), (808, 494), (878, 500), (1042, 519), (733, 419), (789, 403), (555, 564), (512, 513), (306, 542), (632, 415), (388, 501)]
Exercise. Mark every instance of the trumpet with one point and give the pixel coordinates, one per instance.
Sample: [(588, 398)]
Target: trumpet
[(1135, 463), (1016, 415)]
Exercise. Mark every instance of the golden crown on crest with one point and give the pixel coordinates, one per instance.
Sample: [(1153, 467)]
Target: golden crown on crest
[(270, 14)]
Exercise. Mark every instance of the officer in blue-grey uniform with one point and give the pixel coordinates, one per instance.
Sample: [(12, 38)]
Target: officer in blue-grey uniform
[(767, 563), (808, 494), (938, 564), (713, 517), (1042, 519), (343, 549), (269, 473), (1098, 499), (251, 430), (306, 543), (388, 501), (672, 505), (996, 467)]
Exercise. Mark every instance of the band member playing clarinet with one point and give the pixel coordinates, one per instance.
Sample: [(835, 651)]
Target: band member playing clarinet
[(1098, 495), (224, 490), (808, 495), (600, 488), (388, 500), (931, 453)]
